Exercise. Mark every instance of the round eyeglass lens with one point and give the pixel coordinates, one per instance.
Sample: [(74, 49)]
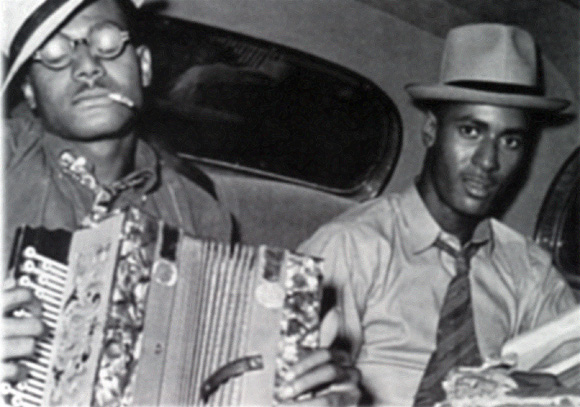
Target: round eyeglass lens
[(107, 40), (56, 52)]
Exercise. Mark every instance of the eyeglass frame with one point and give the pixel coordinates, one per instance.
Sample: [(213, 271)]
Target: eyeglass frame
[(74, 42)]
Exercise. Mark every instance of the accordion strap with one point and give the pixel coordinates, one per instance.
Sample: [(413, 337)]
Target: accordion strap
[(189, 171), (229, 370)]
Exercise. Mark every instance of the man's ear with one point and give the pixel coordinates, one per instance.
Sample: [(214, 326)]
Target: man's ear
[(28, 92), (429, 131), (144, 55)]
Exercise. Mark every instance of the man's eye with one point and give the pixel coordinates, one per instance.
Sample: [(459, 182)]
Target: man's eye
[(106, 42), (469, 131), (512, 142), (55, 50)]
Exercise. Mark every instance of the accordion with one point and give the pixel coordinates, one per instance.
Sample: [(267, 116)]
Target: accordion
[(139, 313)]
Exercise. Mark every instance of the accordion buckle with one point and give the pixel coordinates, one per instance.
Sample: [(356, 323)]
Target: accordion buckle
[(164, 272)]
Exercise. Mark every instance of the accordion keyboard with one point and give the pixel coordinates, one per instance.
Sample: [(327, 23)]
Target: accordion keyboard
[(47, 279)]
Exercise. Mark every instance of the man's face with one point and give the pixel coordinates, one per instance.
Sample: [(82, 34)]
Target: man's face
[(73, 101), (476, 151)]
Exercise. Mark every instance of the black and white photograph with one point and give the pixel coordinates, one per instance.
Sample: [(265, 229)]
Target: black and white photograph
[(290, 203)]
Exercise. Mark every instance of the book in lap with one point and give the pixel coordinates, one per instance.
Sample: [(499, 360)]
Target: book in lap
[(552, 348)]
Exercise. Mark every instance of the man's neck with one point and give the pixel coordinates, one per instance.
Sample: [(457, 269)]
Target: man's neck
[(111, 158), (451, 221)]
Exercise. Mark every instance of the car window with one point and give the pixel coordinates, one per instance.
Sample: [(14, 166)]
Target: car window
[(558, 225), (235, 102)]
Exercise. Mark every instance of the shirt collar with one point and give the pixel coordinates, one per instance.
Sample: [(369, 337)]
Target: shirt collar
[(483, 235), (146, 162), (423, 228)]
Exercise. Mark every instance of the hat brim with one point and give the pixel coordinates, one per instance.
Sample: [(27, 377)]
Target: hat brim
[(452, 93), (40, 34)]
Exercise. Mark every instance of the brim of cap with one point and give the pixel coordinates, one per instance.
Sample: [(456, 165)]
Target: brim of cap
[(444, 92), (40, 34)]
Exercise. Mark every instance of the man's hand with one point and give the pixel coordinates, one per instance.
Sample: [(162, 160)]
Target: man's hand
[(328, 372), (18, 333)]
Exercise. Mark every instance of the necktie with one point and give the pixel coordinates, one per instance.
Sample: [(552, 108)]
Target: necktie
[(456, 344)]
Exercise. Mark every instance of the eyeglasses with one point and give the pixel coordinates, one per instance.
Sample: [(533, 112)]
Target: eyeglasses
[(105, 41)]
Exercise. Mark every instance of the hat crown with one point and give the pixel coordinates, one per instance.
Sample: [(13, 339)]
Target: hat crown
[(491, 53), (491, 64)]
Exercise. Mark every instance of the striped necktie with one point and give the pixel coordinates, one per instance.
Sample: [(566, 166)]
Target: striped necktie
[(456, 343)]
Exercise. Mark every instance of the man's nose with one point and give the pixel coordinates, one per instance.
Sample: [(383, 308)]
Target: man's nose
[(486, 155), (86, 67)]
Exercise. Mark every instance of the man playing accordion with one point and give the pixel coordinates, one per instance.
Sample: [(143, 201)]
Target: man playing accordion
[(73, 155)]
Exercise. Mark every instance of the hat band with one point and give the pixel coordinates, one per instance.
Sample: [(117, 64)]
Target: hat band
[(30, 24), (496, 87)]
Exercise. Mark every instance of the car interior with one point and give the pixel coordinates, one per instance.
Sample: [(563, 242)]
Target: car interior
[(298, 111)]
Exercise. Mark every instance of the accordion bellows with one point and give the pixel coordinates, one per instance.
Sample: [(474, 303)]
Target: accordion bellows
[(142, 314)]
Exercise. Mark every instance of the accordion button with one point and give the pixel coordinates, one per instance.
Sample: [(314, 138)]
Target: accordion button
[(164, 272), (270, 295)]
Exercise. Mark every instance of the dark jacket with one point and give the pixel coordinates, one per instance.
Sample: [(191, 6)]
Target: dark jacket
[(38, 192)]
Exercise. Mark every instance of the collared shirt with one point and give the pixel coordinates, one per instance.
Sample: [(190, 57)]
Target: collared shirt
[(39, 193), (391, 282)]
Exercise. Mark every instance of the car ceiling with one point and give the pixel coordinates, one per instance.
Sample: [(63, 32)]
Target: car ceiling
[(554, 24)]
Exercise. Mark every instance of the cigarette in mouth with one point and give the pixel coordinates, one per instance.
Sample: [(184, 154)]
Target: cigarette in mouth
[(122, 99)]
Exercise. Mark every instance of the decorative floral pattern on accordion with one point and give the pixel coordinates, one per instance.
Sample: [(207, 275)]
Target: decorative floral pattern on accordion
[(300, 323)]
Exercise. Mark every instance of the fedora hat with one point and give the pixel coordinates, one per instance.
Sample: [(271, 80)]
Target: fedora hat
[(28, 23), (491, 64)]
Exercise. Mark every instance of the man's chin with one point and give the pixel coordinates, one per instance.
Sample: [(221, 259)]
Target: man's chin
[(476, 208), (93, 130)]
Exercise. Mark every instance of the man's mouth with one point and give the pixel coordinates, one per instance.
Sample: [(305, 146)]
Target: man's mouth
[(92, 97), (478, 187)]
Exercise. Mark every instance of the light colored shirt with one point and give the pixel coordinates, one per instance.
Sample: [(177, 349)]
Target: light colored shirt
[(391, 282)]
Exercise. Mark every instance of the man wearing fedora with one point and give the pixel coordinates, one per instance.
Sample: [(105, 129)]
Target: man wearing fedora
[(427, 279), (73, 155)]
